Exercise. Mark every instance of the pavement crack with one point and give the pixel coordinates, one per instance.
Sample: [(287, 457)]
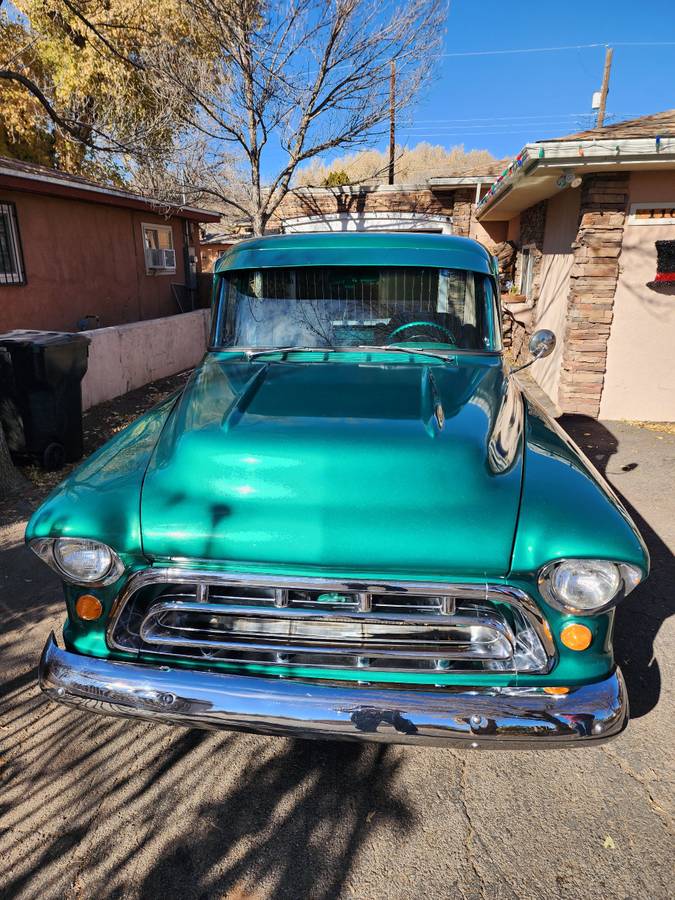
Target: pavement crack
[(470, 828), (645, 783)]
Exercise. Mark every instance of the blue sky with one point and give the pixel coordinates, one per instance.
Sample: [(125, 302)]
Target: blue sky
[(503, 101)]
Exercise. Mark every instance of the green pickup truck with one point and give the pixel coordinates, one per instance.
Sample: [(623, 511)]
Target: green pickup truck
[(350, 523)]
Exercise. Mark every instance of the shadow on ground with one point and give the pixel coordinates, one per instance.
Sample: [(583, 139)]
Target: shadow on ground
[(219, 815), (98, 807), (640, 618), (92, 805)]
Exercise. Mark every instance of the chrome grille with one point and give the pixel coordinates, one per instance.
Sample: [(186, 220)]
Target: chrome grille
[(211, 617)]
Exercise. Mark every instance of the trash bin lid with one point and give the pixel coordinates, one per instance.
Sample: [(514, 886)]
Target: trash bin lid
[(24, 338)]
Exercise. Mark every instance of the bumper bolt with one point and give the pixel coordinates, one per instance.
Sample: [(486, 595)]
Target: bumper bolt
[(167, 699)]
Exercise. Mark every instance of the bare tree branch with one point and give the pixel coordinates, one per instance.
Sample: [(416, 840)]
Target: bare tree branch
[(246, 84)]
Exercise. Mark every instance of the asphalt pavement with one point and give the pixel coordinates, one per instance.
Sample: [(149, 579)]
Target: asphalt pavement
[(92, 807)]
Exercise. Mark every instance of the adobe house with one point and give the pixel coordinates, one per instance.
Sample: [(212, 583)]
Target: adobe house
[(444, 205), (585, 228), (75, 254)]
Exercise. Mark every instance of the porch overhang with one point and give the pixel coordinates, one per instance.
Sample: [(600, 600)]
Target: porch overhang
[(543, 169)]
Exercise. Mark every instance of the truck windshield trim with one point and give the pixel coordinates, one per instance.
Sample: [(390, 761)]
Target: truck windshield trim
[(347, 307)]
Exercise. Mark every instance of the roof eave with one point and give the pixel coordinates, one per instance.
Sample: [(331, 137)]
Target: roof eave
[(38, 183), (578, 154), (452, 182)]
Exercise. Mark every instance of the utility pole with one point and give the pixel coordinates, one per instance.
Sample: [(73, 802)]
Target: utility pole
[(392, 120), (604, 90)]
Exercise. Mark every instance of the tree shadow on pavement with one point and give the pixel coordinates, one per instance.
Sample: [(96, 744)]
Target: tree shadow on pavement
[(639, 619), (299, 817), (92, 806), (104, 808)]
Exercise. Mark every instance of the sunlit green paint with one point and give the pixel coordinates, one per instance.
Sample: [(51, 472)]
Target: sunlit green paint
[(357, 249), (567, 508), (334, 465)]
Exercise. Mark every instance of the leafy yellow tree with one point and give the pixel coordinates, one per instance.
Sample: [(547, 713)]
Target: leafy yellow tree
[(25, 129), (77, 80)]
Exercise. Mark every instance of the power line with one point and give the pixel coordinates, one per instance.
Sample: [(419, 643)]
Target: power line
[(502, 52), (517, 50), (556, 117), (496, 129), (537, 116), (642, 43)]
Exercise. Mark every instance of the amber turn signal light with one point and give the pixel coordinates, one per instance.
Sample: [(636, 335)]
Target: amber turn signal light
[(88, 607), (576, 636)]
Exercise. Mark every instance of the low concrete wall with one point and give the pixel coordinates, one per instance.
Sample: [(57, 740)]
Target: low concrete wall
[(124, 357)]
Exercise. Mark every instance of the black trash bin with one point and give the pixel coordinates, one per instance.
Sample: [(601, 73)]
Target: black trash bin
[(44, 389)]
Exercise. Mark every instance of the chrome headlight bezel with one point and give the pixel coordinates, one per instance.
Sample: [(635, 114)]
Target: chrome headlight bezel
[(629, 576), (46, 549)]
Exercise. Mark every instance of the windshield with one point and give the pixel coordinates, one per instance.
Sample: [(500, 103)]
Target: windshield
[(348, 307)]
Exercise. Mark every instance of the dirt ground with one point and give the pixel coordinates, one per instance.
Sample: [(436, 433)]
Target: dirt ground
[(92, 807)]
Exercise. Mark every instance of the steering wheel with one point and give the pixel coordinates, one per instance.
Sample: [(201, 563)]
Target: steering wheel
[(412, 337)]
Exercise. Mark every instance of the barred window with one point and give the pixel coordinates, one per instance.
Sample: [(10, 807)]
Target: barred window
[(11, 259)]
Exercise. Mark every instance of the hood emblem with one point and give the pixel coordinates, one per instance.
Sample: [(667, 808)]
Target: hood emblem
[(440, 415)]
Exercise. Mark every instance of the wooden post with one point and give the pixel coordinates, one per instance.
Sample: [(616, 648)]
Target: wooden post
[(604, 90), (392, 120)]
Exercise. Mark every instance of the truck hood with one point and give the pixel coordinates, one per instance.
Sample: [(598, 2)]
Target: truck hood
[(405, 466)]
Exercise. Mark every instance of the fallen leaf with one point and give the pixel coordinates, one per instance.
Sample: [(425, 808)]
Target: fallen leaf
[(609, 843), (369, 817)]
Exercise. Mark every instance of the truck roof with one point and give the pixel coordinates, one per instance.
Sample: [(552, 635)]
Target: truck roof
[(357, 248)]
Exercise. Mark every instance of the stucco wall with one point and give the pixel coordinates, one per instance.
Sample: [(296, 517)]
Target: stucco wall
[(488, 233), (640, 376), (84, 259), (125, 357), (562, 220)]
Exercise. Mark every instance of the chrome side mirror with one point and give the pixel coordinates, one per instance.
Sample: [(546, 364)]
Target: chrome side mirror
[(542, 343)]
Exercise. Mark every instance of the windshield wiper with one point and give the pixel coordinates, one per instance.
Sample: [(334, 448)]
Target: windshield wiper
[(386, 348), (414, 350), (252, 354)]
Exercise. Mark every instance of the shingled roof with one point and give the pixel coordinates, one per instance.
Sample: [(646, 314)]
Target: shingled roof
[(662, 124)]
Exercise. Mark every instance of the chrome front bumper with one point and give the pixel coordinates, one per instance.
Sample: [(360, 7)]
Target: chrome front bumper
[(468, 716)]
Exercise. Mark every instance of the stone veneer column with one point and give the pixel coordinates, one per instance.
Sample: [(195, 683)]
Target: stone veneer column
[(462, 210), (593, 279)]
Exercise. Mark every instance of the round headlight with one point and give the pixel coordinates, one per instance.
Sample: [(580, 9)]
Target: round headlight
[(587, 585), (83, 560)]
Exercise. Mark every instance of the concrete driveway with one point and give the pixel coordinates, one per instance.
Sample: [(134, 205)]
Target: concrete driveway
[(103, 808)]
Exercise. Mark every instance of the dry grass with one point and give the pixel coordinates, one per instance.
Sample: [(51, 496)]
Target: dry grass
[(665, 427)]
